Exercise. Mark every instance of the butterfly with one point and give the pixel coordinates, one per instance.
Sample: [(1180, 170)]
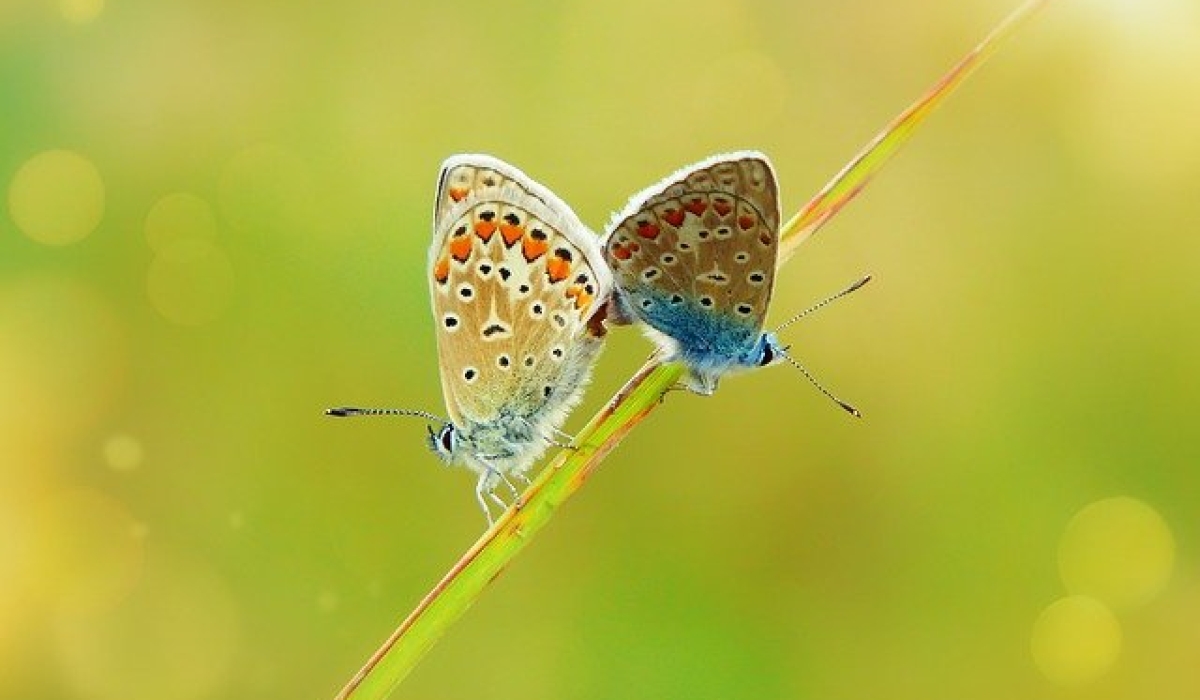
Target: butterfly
[(693, 258), (519, 291)]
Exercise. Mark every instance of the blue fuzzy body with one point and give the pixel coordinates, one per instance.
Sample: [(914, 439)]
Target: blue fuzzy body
[(710, 343)]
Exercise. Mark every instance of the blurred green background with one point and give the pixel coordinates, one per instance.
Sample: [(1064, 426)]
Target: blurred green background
[(215, 225)]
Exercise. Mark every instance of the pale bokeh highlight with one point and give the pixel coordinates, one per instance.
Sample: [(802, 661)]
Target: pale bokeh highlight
[(1075, 640), (1118, 550), (123, 453), (80, 11), (56, 197)]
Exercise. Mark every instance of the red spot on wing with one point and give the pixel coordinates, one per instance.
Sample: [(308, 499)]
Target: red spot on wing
[(696, 206), (441, 271), (460, 248), (485, 229), (675, 217), (511, 234), (723, 206), (620, 252), (745, 221), (647, 229), (457, 193)]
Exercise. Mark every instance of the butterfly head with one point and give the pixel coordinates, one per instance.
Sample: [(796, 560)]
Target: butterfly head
[(443, 441), (767, 351)]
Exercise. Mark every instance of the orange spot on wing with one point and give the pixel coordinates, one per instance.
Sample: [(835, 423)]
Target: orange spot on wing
[(723, 206), (533, 248), (745, 221), (460, 248), (580, 295), (557, 269), (511, 234), (484, 229), (696, 206), (620, 252), (646, 229), (441, 271), (457, 193), (675, 217)]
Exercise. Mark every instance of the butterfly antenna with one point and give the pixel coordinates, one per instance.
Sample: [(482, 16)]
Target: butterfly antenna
[(825, 302), (346, 411), (848, 408)]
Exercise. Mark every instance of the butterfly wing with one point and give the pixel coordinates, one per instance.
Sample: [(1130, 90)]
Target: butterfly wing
[(518, 285), (694, 255)]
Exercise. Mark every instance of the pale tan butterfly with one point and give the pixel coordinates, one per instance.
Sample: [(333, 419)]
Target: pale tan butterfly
[(520, 290), (693, 258)]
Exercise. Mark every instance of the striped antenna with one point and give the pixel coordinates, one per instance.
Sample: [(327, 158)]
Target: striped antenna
[(347, 411), (824, 302), (848, 408)]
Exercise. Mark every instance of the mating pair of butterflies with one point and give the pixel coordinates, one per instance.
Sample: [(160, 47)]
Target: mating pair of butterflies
[(522, 290)]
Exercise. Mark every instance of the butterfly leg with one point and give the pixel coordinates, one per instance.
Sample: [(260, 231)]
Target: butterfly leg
[(495, 475), (677, 386), (551, 439), (483, 486)]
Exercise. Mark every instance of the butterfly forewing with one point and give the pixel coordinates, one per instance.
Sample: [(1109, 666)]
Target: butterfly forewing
[(515, 279), (706, 237)]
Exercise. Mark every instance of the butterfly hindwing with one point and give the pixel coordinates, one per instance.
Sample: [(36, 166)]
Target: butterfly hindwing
[(515, 279), (695, 254)]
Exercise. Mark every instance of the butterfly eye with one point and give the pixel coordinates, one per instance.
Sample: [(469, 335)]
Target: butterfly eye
[(443, 441), (768, 356)]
